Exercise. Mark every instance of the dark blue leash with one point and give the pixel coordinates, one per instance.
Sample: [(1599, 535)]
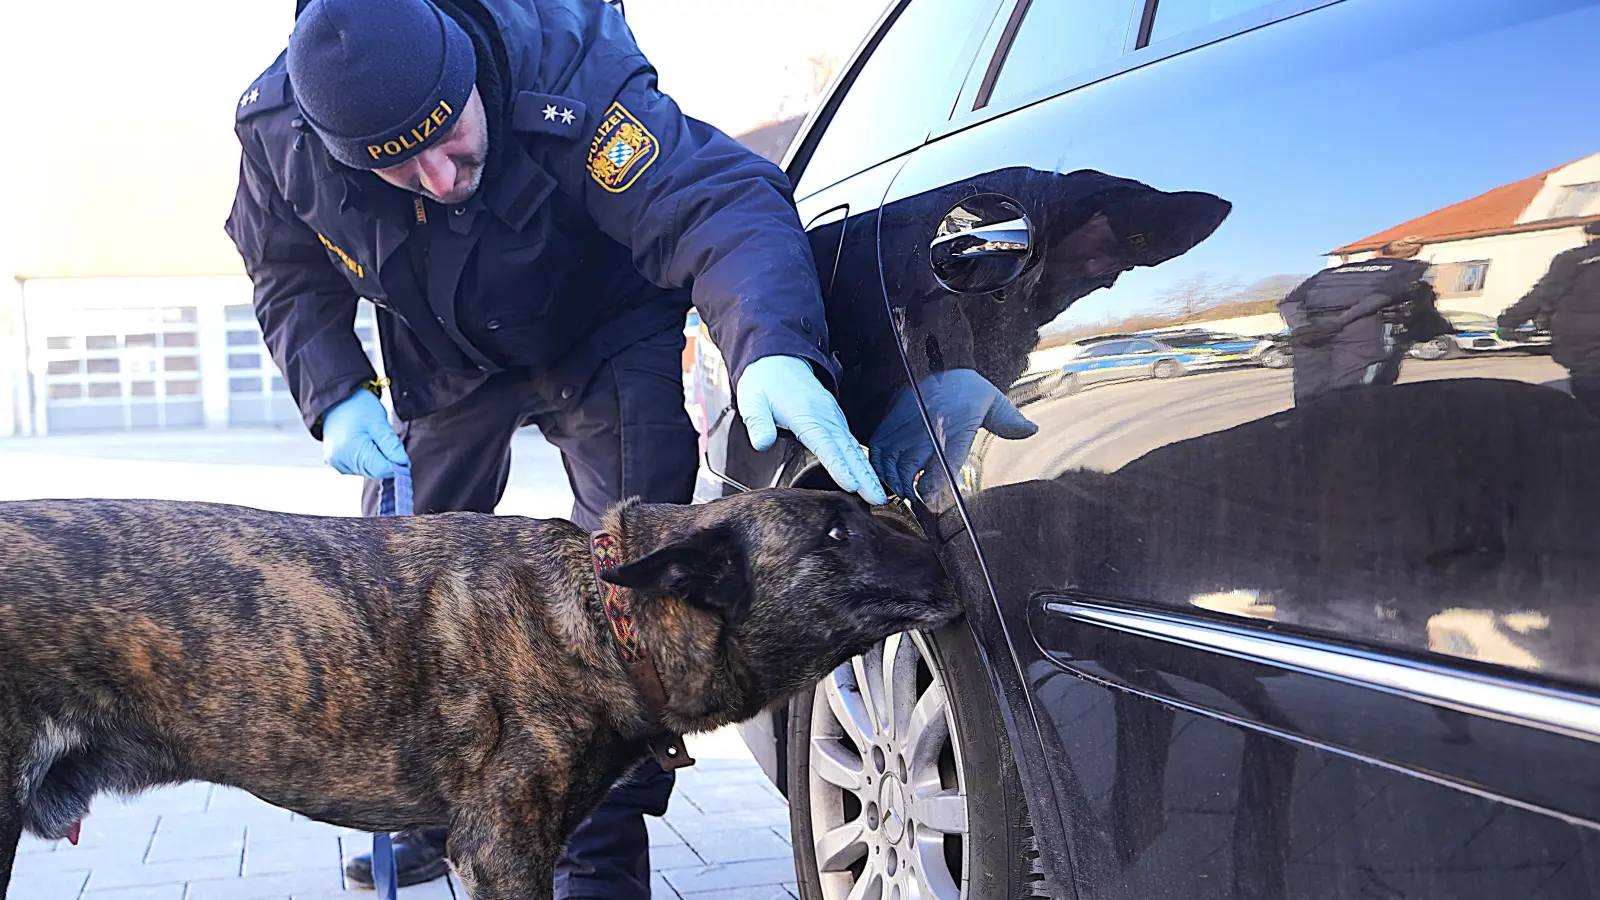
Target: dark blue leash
[(394, 499)]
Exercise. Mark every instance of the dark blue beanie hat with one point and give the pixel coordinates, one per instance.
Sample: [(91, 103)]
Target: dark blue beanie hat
[(379, 80)]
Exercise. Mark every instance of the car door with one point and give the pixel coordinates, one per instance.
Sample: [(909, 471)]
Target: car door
[(1139, 358), (1100, 362), (1345, 647), (899, 84)]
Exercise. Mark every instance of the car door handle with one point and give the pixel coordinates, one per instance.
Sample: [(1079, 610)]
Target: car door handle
[(981, 245), (1000, 239)]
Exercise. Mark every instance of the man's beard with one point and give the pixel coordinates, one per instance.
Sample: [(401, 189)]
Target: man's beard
[(473, 164), (476, 168)]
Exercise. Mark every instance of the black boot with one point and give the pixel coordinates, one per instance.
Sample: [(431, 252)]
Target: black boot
[(418, 857)]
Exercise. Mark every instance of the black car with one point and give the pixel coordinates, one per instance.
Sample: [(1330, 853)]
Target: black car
[(1217, 645)]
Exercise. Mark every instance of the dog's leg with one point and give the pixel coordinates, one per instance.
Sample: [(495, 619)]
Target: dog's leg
[(10, 785), (10, 824), (10, 835), (508, 833), (502, 858)]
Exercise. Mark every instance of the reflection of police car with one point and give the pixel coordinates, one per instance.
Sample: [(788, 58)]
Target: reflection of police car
[(1228, 347), (1475, 333), (1149, 356)]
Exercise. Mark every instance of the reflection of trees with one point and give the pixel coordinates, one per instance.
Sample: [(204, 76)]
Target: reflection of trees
[(1195, 300), (1187, 299)]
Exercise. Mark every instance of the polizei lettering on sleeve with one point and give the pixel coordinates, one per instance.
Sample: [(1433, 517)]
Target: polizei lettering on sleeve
[(434, 121), (351, 264)]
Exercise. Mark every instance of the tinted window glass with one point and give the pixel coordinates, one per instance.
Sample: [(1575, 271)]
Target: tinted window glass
[(1059, 39), (1111, 349), (1174, 17), (900, 92), (1141, 347)]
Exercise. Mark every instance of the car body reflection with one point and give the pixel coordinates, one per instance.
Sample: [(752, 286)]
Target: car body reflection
[(1290, 592)]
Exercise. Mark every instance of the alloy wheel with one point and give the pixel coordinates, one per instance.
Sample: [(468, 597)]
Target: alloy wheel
[(887, 793)]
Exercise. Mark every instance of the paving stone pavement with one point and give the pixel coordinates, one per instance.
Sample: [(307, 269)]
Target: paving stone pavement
[(725, 837)]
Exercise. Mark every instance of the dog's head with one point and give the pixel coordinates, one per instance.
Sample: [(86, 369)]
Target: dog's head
[(796, 581)]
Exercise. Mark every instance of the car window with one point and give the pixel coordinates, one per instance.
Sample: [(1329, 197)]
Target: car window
[(896, 96), (1141, 347), (1061, 38), (1174, 17), (1112, 348)]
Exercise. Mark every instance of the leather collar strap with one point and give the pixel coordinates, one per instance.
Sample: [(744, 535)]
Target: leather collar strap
[(668, 748)]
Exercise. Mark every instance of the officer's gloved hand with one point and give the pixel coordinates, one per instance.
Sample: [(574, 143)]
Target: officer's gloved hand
[(1313, 334), (357, 439), (959, 402), (782, 392)]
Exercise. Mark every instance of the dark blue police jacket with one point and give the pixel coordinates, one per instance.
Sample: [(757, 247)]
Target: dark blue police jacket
[(603, 211)]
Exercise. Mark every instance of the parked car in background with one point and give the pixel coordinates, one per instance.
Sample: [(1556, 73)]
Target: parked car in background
[(1278, 354), (1217, 645), (1227, 347), (1476, 333), (1156, 356)]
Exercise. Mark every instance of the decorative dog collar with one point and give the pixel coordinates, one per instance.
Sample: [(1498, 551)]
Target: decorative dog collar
[(667, 747)]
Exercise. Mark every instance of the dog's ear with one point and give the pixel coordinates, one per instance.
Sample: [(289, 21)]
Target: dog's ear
[(707, 567)]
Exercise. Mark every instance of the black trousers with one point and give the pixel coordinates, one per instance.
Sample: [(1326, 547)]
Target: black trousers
[(627, 435), (1586, 390)]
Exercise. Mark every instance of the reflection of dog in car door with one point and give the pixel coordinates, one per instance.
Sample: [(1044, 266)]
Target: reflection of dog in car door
[(490, 674)]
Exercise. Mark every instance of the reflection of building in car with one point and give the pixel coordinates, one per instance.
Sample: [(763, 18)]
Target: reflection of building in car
[(1475, 333), (1487, 252)]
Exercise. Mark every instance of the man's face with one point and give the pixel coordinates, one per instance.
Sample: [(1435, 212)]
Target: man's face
[(450, 170)]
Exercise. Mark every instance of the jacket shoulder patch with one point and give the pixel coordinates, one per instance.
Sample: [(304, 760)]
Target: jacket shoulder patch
[(270, 91), (621, 150), (549, 114)]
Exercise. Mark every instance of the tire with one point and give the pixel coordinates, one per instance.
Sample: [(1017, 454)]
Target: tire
[(1441, 347), (1071, 384), (1041, 389), (856, 807), (1276, 358), (1166, 368)]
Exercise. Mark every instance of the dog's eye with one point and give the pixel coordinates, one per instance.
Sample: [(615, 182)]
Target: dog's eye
[(838, 533)]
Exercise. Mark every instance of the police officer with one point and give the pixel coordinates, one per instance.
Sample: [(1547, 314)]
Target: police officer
[(1568, 297), (1352, 324), (532, 218)]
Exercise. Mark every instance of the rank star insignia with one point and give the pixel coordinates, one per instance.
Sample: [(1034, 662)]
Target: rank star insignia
[(566, 116), (250, 97), (549, 113)]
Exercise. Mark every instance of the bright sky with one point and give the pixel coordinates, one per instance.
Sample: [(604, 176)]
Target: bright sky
[(130, 162)]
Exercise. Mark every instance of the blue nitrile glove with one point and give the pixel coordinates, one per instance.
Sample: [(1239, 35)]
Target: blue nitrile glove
[(782, 392), (959, 401), (357, 439)]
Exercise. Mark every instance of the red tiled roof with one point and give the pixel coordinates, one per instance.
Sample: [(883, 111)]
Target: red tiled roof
[(1492, 212)]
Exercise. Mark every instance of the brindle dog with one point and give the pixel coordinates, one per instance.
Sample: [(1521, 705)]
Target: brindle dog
[(451, 670)]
